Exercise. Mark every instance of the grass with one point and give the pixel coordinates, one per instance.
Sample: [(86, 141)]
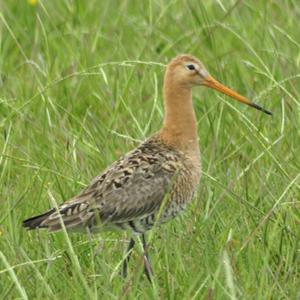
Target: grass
[(80, 84)]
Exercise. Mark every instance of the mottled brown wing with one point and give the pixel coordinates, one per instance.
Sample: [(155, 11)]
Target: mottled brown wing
[(132, 188)]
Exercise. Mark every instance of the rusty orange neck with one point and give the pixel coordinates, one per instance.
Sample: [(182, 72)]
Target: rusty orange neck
[(179, 126)]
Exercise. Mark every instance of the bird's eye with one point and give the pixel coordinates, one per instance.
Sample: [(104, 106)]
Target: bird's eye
[(191, 67)]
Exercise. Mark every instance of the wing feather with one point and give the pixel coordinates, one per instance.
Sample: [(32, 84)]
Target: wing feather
[(133, 187)]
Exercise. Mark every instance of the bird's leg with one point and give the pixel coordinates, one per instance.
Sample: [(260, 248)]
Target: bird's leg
[(147, 266), (127, 258)]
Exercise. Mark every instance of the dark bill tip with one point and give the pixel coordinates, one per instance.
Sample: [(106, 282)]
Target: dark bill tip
[(261, 109)]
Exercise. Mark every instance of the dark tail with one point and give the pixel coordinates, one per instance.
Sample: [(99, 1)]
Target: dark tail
[(35, 222)]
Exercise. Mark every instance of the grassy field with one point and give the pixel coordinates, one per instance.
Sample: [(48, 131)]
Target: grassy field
[(80, 84)]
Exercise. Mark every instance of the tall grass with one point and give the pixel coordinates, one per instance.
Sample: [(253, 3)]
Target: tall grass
[(80, 84)]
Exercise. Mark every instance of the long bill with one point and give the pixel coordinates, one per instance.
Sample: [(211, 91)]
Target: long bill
[(214, 84)]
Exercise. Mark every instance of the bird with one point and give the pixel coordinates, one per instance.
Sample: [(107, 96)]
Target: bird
[(152, 183)]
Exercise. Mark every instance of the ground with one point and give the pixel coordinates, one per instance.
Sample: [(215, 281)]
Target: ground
[(80, 84)]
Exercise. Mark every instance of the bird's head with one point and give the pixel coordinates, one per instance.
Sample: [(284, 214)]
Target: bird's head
[(187, 71)]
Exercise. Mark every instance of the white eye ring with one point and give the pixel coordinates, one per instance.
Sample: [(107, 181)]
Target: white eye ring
[(190, 67)]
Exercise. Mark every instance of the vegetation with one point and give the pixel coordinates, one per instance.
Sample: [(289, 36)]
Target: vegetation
[(80, 84)]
